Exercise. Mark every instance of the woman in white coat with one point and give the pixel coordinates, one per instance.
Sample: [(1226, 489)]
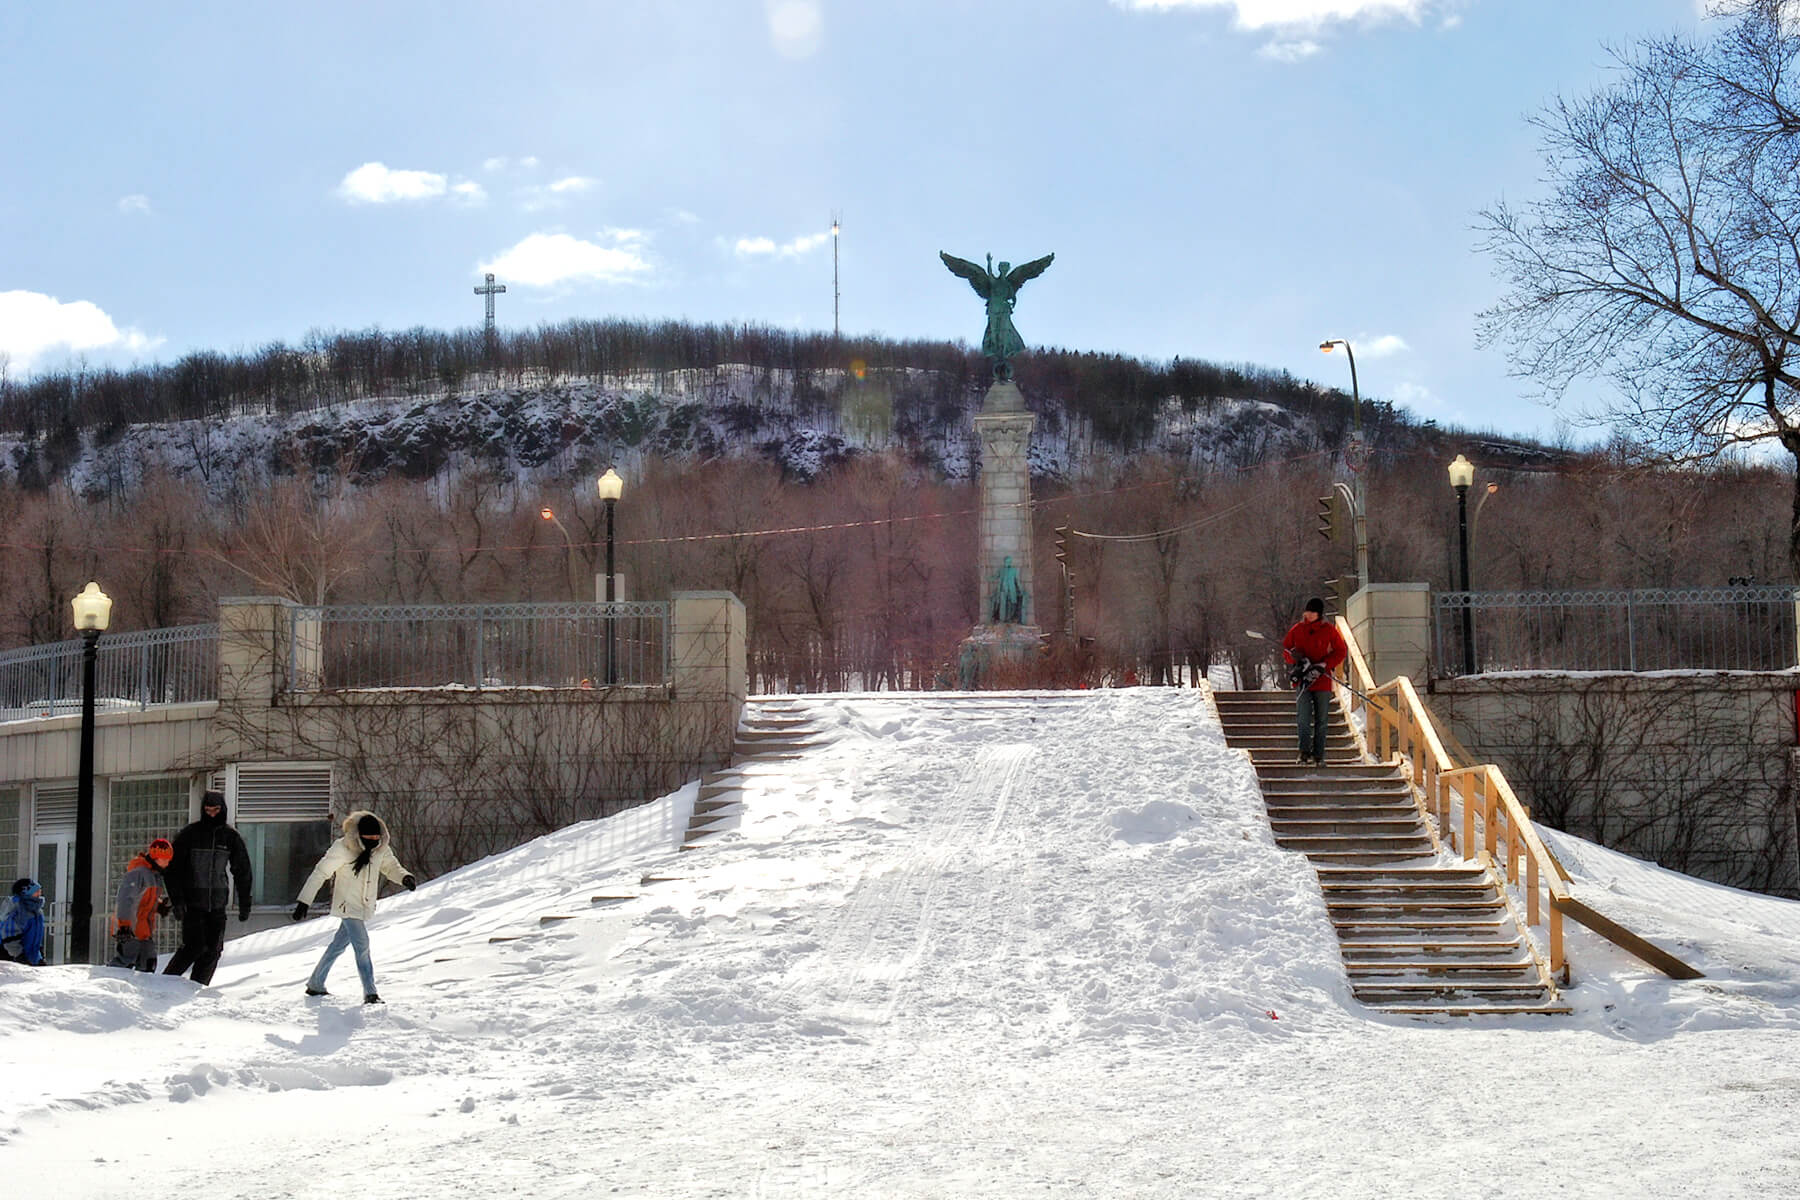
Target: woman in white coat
[(355, 864)]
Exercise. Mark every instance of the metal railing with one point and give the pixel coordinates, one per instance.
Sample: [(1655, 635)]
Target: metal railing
[(1621, 629), (132, 671), (480, 646)]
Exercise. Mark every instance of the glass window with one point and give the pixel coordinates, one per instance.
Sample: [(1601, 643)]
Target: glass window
[(283, 854), (9, 835), (142, 809)]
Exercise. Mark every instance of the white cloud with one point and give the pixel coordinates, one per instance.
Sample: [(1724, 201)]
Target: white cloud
[(1307, 14), (682, 216), (1386, 345), (548, 259), (1290, 50), (136, 204), (553, 195), (1416, 397), (761, 247), (466, 192), (494, 164), (529, 162), (375, 183), (796, 27), (33, 325)]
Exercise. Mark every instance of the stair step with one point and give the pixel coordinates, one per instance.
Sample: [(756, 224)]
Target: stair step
[(1353, 873), (1355, 845), (1441, 950), (1367, 857), (1423, 883), (1514, 991), (1379, 905), (1333, 777), (1435, 965), (1331, 770), (1348, 930), (1474, 1010), (1349, 827)]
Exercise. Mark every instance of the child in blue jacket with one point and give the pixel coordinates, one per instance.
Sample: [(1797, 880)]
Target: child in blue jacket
[(22, 924)]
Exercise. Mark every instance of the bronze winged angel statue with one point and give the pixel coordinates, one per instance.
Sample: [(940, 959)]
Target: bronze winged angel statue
[(1001, 291)]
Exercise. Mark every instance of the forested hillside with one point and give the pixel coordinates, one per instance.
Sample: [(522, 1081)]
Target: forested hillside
[(828, 484)]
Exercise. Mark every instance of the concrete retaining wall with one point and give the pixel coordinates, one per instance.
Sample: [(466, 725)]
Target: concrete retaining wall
[(1692, 771)]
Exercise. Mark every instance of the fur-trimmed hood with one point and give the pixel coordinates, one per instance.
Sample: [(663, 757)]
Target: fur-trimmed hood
[(353, 839)]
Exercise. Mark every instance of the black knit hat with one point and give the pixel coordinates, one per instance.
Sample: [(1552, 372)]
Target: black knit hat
[(1316, 605), (368, 826)]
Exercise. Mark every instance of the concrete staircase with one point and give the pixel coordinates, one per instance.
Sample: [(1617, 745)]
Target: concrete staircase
[(1419, 934), (769, 731)]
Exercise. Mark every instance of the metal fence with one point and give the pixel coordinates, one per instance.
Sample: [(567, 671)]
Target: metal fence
[(132, 671), (570, 645), (1627, 629)]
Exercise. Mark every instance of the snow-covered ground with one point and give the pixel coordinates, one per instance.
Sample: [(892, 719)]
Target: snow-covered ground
[(991, 945)]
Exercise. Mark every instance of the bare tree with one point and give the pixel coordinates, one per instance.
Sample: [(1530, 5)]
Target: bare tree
[(1666, 255)]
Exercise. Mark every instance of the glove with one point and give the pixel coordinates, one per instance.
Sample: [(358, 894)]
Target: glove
[(123, 935), (244, 910), (300, 910), (162, 908), (408, 882)]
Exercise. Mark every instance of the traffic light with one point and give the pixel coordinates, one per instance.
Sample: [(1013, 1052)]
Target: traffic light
[(1328, 517), (1068, 597), (1338, 590)]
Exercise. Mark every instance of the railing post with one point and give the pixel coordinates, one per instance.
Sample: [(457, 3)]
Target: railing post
[(1531, 887), (1490, 835), (480, 633), (1468, 799), (1630, 629)]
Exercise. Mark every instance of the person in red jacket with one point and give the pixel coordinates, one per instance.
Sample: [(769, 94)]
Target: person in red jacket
[(1315, 649)]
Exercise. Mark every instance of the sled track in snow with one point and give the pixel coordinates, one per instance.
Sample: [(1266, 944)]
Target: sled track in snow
[(863, 972)]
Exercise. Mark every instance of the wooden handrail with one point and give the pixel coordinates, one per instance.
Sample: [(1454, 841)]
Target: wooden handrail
[(1394, 711)]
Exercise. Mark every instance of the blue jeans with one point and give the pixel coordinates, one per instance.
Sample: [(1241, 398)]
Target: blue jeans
[(1310, 713), (355, 934)]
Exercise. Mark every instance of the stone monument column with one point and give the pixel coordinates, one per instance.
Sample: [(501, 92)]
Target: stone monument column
[(1002, 648), (1003, 534)]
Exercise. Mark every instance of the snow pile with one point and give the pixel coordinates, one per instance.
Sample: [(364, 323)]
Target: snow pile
[(969, 946)]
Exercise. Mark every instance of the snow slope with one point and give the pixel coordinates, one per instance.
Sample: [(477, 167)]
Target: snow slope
[(986, 945)]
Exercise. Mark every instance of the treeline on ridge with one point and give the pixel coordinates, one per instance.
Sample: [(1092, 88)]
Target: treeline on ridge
[(1117, 394)]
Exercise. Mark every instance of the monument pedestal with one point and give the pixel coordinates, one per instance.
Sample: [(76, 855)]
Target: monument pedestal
[(1006, 642), (998, 656)]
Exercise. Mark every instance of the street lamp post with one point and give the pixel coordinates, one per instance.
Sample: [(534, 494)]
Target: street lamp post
[(835, 225), (568, 545), (1462, 474), (93, 612), (1358, 521), (611, 487)]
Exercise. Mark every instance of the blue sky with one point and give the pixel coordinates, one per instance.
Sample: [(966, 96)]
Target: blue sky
[(1231, 180)]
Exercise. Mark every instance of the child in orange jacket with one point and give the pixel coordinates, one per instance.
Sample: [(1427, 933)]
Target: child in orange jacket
[(141, 901)]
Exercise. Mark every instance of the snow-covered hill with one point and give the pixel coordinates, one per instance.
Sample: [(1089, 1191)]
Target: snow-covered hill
[(533, 432), (992, 945)]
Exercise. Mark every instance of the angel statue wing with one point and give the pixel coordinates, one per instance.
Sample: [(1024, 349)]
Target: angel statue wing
[(978, 278), (1030, 270)]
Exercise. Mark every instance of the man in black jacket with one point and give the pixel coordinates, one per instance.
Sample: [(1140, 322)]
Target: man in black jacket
[(209, 858)]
